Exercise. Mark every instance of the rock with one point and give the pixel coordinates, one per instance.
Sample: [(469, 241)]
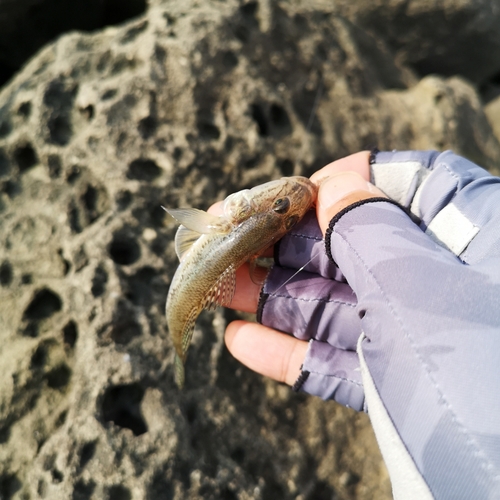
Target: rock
[(492, 111), (446, 38), (179, 107)]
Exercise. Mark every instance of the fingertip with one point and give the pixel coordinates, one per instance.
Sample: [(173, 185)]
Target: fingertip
[(338, 192), (266, 351), (357, 162), (217, 208)]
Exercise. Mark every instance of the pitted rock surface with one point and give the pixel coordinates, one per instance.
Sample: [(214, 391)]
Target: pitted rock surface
[(180, 107)]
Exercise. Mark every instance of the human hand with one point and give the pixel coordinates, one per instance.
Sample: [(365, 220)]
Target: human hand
[(280, 356), (420, 340)]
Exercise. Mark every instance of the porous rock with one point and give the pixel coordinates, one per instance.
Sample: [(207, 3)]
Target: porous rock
[(180, 107), (447, 38)]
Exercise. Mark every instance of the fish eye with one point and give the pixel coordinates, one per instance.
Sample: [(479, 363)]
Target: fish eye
[(281, 205), (291, 222)]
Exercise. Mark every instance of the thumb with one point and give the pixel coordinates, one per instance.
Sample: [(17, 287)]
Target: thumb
[(338, 192)]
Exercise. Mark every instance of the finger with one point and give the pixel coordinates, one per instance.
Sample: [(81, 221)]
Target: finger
[(266, 351), (246, 295), (217, 208), (358, 163), (309, 306), (340, 191), (304, 248)]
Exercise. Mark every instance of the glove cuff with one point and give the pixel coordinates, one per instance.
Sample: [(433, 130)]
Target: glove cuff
[(328, 234)]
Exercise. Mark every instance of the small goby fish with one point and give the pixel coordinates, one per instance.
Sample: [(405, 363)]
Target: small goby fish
[(210, 249)]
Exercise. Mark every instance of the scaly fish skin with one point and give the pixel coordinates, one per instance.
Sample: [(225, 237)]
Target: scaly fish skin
[(211, 248)]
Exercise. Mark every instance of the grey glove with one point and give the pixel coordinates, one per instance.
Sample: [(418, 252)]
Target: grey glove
[(425, 317)]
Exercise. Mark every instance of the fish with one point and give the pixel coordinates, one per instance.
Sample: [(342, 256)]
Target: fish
[(211, 248)]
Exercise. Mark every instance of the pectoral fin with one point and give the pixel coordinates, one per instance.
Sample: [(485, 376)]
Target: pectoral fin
[(184, 240), (222, 292), (258, 273), (200, 221)]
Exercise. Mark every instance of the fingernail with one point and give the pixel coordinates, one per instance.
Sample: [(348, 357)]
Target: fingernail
[(340, 185)]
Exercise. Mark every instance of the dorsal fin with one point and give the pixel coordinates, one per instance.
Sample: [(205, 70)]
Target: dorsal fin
[(184, 240), (200, 221), (222, 292)]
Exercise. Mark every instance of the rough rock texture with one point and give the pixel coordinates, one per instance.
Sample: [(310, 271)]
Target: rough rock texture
[(180, 107), (448, 37)]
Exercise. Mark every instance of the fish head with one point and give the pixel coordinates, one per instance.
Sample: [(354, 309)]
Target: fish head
[(286, 199)]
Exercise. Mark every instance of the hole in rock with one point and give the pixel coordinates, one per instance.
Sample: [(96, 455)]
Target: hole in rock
[(44, 304), (125, 327), (6, 273), (121, 405), (83, 491), (26, 279), (229, 59), (143, 169), (147, 127), (58, 377), (260, 118), (24, 109), (55, 167), (95, 202), (73, 174), (228, 494), (123, 199), (39, 357), (119, 492), (74, 218), (70, 334), (31, 330), (10, 188), (61, 419), (57, 476), (87, 112), (99, 282), (286, 167), (9, 485), (41, 488), (60, 130), (25, 157), (141, 287), (249, 9), (5, 128), (124, 250), (279, 119), (87, 452), (108, 94), (208, 131), (4, 164), (238, 455)]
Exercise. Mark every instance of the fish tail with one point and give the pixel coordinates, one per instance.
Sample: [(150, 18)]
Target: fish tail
[(179, 371)]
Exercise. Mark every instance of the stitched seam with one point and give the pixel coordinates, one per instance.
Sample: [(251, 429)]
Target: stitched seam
[(305, 236), (478, 452), (325, 301)]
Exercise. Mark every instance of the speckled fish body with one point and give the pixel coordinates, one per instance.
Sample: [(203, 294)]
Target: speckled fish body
[(211, 248)]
